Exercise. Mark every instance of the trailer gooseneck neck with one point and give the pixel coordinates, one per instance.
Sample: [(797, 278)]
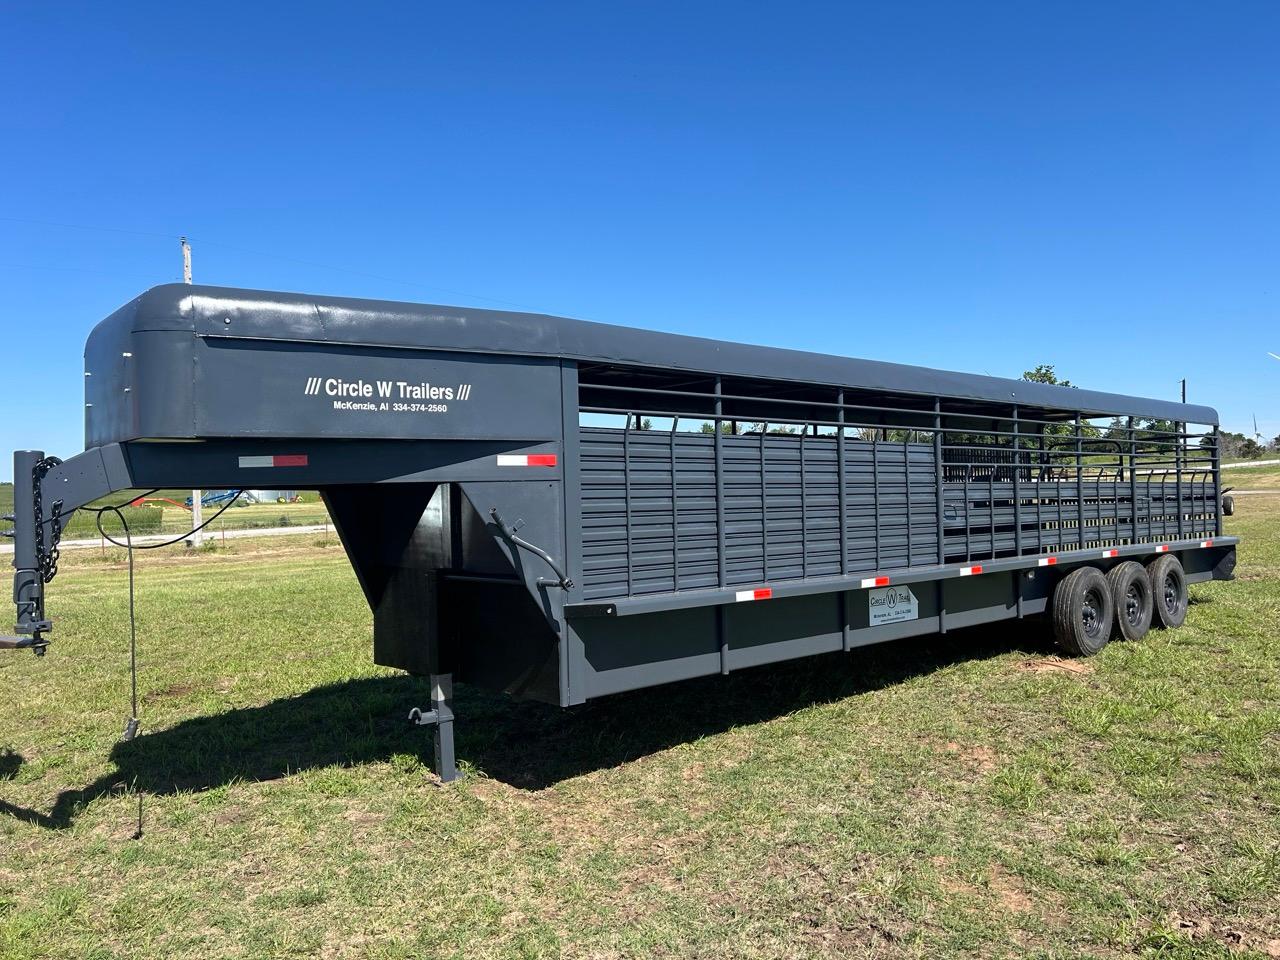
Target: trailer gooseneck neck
[(562, 510)]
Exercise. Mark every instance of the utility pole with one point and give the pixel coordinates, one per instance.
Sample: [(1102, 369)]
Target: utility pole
[(1184, 389), (196, 540)]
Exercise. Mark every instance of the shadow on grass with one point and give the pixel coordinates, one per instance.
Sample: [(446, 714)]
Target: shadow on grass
[(527, 745)]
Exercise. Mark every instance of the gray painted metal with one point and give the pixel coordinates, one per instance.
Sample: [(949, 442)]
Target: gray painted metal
[(417, 424), (182, 337)]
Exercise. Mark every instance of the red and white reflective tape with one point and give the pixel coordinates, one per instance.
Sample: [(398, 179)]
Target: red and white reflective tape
[(759, 593), (1163, 548), (970, 571), (279, 460), (526, 459), (1047, 561), (1111, 553), (875, 582), (1206, 543)]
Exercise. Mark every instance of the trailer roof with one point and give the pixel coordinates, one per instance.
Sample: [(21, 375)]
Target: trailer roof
[(230, 312)]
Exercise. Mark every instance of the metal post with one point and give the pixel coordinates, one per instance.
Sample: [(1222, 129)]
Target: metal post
[(196, 540), (937, 466), (442, 704), (1017, 487), (1133, 483), (28, 586), (844, 523), (719, 439), (186, 260), (1217, 482), (1080, 480)]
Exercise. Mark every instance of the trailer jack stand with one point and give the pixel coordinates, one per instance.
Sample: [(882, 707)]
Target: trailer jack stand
[(440, 716)]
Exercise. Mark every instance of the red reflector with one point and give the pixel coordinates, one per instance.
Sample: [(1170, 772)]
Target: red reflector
[(1051, 560), (289, 460), (542, 459), (882, 581), (764, 593), (975, 570)]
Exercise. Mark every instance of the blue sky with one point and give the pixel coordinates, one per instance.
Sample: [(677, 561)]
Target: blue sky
[(981, 186)]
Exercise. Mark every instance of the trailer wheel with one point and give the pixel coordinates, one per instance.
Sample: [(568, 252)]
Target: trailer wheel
[(1228, 505), (1083, 612), (1169, 588), (1131, 594)]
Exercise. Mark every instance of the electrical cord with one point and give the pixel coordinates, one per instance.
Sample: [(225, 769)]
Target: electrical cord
[(118, 506), (167, 543), (131, 725)]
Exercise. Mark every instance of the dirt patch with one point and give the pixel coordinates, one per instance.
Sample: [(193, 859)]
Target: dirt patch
[(173, 690), (1008, 890), (1056, 665), (1234, 936), (978, 757)]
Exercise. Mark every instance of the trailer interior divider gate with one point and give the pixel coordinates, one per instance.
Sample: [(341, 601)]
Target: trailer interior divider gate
[(563, 510)]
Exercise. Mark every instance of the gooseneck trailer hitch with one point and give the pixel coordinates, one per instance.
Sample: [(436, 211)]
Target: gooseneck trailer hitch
[(35, 539)]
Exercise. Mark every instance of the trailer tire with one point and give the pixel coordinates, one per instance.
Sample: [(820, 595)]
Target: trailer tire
[(1131, 595), (1228, 505), (1168, 591), (1083, 612)]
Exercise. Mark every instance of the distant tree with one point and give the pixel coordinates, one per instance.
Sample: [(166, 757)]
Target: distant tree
[(1045, 373), (1250, 449), (1274, 446)]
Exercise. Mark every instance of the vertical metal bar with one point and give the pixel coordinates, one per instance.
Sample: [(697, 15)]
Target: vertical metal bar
[(1133, 482), (968, 475), (1037, 491), (804, 515), (28, 586), (719, 435), (1080, 480), (1017, 493), (991, 500), (844, 522), (938, 472), (675, 511), (764, 503), (626, 493), (875, 490), (1217, 482), (906, 465), (1177, 460), (442, 703)]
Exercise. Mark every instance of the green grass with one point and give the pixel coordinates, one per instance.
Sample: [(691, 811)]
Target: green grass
[(964, 794), (1252, 478), (175, 519)]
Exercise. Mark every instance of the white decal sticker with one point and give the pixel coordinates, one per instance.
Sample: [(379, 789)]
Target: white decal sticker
[(891, 604)]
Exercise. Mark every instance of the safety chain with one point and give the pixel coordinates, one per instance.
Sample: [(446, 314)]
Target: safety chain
[(46, 561)]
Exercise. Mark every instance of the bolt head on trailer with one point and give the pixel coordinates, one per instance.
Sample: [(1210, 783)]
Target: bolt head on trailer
[(562, 510)]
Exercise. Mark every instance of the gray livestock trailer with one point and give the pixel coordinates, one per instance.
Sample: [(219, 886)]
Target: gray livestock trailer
[(562, 510)]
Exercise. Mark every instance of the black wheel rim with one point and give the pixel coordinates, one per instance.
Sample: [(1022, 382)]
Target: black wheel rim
[(1171, 592), (1133, 605), (1091, 613)]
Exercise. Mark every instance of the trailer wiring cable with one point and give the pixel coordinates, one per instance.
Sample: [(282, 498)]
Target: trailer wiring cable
[(132, 724)]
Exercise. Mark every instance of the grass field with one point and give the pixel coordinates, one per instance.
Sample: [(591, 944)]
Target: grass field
[(175, 519), (947, 796)]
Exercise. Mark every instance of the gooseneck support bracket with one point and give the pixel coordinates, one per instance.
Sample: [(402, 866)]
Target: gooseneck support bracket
[(509, 534)]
